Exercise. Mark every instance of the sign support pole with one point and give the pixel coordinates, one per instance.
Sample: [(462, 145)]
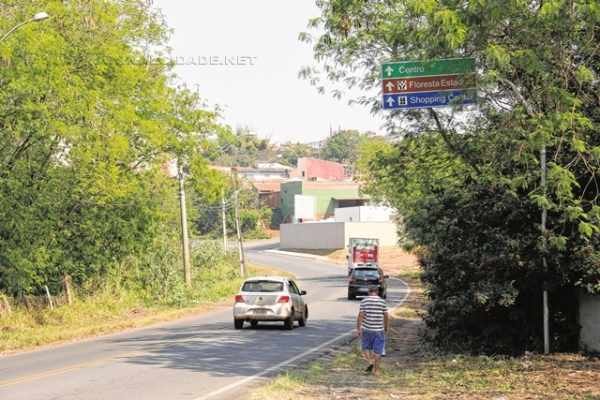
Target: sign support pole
[(546, 310)]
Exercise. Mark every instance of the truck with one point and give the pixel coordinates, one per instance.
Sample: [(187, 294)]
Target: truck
[(363, 252)]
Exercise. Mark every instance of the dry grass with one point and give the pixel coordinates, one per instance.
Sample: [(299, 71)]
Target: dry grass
[(102, 314), (412, 371)]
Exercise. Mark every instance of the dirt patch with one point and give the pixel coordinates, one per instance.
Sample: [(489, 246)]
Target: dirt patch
[(393, 260)]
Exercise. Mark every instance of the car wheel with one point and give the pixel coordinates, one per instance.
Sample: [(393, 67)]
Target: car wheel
[(351, 296), (288, 323), (253, 324), (238, 323), (304, 318)]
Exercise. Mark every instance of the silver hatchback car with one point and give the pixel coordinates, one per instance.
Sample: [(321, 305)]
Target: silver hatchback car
[(270, 298)]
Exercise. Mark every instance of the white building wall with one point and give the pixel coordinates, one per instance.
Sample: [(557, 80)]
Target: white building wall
[(364, 214), (312, 236), (386, 232), (304, 207), (335, 235), (347, 214)]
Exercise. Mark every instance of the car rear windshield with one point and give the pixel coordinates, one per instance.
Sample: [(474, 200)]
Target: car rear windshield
[(366, 273), (262, 286)]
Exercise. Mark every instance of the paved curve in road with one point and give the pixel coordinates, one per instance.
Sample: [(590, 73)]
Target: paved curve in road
[(196, 358)]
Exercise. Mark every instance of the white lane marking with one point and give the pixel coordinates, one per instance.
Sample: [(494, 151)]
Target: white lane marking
[(299, 255), (406, 293), (271, 369), (291, 360)]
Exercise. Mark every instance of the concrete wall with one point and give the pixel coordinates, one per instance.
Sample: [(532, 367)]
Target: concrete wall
[(363, 214), (386, 232), (589, 319), (335, 235), (312, 236)]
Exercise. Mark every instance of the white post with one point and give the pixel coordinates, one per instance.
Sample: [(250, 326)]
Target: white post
[(50, 303)]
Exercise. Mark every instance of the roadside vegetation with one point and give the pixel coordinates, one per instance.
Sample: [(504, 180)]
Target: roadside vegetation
[(92, 120), (415, 370), (113, 306), (467, 181)]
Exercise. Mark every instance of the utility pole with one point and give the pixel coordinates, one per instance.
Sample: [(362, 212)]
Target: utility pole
[(546, 309), (185, 242), (224, 221), (238, 228)]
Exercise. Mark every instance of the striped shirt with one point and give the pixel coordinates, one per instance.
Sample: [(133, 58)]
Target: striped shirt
[(373, 309)]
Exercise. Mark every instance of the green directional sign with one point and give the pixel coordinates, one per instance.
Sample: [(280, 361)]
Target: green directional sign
[(450, 66)]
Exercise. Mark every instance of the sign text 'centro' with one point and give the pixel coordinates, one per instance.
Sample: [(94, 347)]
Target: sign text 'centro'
[(451, 66)]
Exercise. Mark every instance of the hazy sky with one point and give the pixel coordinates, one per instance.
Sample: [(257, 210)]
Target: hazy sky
[(268, 96)]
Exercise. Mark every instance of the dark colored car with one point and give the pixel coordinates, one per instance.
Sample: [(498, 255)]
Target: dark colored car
[(361, 278)]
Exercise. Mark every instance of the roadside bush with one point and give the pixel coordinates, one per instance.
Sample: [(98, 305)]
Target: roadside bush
[(480, 247), (484, 275)]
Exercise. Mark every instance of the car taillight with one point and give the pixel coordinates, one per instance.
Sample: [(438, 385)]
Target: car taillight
[(352, 280), (284, 299), (239, 299)]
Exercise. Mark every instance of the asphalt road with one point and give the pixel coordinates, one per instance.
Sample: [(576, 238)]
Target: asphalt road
[(197, 358)]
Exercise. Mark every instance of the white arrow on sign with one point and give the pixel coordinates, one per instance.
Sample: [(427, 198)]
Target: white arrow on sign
[(390, 102), (389, 70), (390, 86)]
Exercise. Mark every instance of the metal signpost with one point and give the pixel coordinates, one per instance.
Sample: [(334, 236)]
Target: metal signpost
[(427, 84)]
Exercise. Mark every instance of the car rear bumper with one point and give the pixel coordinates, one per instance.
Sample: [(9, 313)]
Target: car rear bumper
[(278, 312), (363, 290)]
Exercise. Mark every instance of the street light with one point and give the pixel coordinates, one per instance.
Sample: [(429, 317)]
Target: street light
[(41, 16)]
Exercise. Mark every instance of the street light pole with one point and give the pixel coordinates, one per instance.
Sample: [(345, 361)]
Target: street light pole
[(223, 216), (36, 18), (238, 226), (185, 242)]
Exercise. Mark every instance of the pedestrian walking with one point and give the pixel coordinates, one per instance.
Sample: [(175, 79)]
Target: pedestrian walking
[(372, 324)]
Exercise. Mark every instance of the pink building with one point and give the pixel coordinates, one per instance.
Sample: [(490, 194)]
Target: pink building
[(314, 169)]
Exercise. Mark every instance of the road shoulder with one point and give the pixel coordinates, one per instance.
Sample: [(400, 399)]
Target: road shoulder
[(52, 335), (412, 370)]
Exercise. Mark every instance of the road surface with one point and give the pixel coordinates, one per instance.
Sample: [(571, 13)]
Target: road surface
[(193, 359)]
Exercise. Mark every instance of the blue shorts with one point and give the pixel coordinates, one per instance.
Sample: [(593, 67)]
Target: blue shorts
[(373, 341)]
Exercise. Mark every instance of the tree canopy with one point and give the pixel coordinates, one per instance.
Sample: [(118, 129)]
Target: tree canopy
[(467, 181), (89, 114), (343, 146)]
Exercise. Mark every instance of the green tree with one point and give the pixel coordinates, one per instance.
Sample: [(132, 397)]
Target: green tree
[(343, 147), (88, 117), (291, 152), (243, 148), (468, 183)]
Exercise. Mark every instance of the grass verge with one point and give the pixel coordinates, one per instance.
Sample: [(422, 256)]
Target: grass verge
[(104, 313), (413, 371)]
